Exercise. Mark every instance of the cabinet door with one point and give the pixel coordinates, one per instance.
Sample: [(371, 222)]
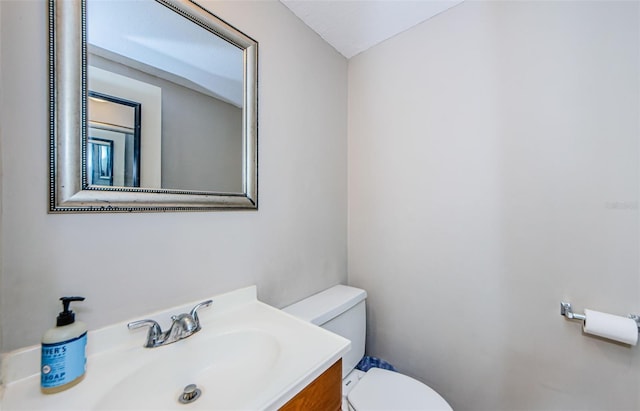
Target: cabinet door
[(323, 394)]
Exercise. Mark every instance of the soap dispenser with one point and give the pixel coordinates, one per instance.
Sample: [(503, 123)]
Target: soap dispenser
[(64, 357)]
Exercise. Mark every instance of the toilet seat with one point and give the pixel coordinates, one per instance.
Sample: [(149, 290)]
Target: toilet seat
[(387, 390)]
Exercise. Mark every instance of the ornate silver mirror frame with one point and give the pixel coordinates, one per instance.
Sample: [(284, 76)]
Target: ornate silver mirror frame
[(69, 191)]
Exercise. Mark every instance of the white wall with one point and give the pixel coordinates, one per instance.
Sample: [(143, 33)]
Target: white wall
[(130, 264), (493, 172), (1, 162)]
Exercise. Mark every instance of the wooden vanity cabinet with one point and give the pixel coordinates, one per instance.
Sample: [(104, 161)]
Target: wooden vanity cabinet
[(323, 394)]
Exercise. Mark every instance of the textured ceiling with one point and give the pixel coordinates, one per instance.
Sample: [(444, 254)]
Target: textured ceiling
[(352, 26)]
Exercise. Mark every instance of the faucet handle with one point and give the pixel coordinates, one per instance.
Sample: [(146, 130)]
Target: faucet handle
[(155, 332), (194, 312)]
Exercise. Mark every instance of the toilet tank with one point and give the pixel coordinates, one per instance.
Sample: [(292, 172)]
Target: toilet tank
[(339, 309)]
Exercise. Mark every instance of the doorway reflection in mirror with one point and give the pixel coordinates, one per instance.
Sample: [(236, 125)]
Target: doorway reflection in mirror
[(100, 162), (113, 142)]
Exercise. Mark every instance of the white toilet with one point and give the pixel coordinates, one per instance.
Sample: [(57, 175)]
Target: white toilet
[(341, 309)]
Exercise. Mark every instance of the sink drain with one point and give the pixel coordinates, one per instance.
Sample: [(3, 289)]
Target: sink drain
[(190, 394)]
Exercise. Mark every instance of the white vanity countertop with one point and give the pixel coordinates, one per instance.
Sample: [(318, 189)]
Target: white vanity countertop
[(248, 356)]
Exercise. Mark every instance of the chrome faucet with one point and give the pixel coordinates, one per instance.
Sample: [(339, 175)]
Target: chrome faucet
[(183, 326)]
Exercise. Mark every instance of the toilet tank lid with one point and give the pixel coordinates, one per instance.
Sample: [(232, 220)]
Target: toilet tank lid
[(327, 304)]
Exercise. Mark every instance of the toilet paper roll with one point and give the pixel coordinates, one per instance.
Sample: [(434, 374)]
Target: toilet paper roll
[(611, 326)]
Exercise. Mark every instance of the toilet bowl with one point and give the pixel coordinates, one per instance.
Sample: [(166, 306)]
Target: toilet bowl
[(341, 309)]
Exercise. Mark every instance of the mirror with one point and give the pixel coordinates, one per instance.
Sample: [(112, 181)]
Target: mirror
[(153, 108)]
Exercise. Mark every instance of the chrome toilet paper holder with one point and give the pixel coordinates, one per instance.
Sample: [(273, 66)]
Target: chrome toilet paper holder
[(567, 311)]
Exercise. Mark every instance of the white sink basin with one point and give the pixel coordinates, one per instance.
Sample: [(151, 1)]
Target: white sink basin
[(227, 368), (248, 356)]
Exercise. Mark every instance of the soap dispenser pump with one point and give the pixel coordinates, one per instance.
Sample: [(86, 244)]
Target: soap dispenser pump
[(64, 357)]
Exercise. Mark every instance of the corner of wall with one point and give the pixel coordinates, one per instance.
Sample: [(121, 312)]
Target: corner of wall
[(2, 36)]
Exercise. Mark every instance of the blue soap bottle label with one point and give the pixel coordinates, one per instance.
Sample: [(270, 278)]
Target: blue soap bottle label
[(63, 362)]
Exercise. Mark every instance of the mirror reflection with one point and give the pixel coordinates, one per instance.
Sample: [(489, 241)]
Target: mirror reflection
[(188, 87), (113, 141)]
